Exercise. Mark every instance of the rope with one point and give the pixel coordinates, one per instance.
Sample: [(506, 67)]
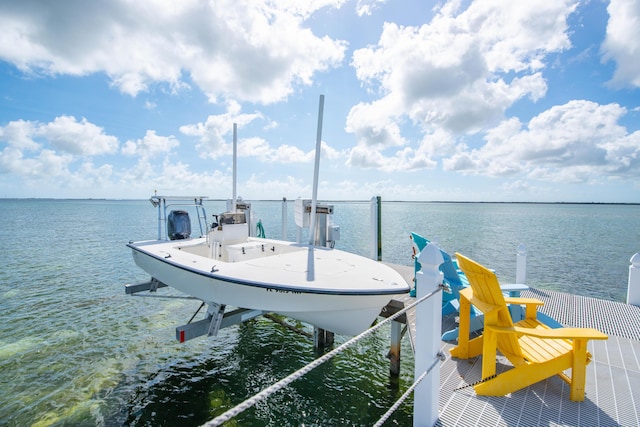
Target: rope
[(260, 230), (238, 409), (476, 383), (439, 358)]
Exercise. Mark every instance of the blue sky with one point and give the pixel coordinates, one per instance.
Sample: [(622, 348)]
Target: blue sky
[(490, 100)]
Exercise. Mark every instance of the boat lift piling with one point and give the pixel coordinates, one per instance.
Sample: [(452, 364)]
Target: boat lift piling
[(398, 330), (399, 325), (376, 228), (284, 218)]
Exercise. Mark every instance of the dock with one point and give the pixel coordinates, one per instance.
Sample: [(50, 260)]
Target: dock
[(612, 395)]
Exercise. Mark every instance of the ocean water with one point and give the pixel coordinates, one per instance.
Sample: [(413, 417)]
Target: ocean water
[(75, 350)]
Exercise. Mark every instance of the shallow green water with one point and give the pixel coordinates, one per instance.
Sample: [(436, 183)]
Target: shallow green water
[(75, 350)]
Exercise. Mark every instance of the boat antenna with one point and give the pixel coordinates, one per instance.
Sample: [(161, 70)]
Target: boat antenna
[(235, 165), (314, 198)]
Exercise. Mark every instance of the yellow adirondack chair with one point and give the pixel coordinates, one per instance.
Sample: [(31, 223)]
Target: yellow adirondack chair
[(536, 351)]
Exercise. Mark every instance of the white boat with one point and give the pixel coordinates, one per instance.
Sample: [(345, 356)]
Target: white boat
[(229, 267), (331, 289)]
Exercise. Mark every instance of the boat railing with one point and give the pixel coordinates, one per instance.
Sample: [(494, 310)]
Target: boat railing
[(163, 203), (428, 355)]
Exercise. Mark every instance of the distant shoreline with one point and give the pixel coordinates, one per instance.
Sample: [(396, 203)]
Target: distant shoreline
[(342, 201)]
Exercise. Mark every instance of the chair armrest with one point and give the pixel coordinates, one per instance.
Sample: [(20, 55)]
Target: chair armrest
[(522, 301), (513, 287), (559, 333)]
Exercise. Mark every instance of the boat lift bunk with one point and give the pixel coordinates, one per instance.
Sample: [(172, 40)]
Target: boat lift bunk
[(176, 225)]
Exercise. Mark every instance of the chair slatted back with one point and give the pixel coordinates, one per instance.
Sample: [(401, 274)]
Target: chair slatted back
[(486, 288)]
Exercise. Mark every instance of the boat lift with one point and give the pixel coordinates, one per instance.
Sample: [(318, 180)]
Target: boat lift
[(215, 319)]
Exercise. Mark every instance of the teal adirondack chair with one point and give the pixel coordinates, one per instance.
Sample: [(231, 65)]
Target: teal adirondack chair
[(453, 277)]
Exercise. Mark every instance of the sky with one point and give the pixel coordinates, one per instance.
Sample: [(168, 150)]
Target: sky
[(487, 100)]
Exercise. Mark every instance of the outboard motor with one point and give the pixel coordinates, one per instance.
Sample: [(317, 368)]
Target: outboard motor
[(178, 225)]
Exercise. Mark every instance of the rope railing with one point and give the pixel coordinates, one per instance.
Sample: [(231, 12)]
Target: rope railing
[(238, 409), (440, 357)]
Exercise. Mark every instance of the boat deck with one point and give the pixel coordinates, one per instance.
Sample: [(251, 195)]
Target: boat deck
[(612, 377)]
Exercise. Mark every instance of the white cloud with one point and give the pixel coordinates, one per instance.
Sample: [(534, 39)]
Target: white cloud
[(215, 134), (46, 155), (91, 177), (19, 134), (457, 74), (46, 164), (580, 141), (215, 137), (374, 125), (66, 134), (257, 51), (287, 186), (437, 94), (622, 42), (51, 147), (260, 149), (367, 7), (150, 145), (171, 178)]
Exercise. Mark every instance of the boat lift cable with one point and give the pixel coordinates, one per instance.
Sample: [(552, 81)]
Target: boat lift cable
[(238, 409)]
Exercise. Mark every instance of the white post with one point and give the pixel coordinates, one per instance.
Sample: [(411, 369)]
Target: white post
[(428, 329), (633, 288), (284, 218), (314, 198), (376, 247), (235, 166), (521, 265)]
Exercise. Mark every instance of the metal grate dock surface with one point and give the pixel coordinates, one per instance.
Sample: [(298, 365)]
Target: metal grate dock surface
[(613, 376)]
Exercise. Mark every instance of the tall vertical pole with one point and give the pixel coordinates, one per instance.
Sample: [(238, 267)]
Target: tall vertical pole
[(314, 198), (376, 228), (379, 225), (235, 165), (284, 218)]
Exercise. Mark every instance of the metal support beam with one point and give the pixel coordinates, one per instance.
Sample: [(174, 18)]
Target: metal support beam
[(202, 327), (152, 285), (215, 312)]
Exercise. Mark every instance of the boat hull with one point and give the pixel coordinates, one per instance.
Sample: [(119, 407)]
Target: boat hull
[(345, 296)]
